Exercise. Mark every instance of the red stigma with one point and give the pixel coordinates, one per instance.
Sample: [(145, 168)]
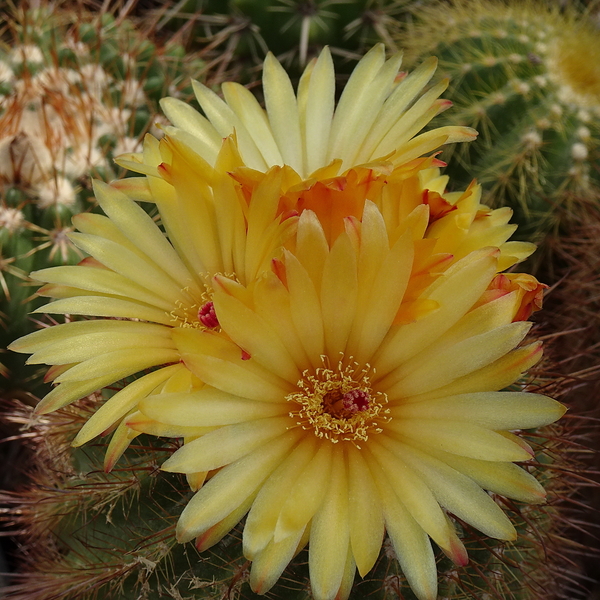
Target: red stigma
[(208, 316), (356, 401)]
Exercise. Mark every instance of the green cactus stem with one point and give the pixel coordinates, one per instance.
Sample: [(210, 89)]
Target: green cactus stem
[(527, 76)]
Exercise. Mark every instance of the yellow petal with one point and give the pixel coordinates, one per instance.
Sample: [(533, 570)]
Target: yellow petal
[(282, 109), (316, 118), (415, 496), (254, 335), (496, 410), (410, 542), (307, 494), (98, 306), (269, 563), (262, 519), (121, 403), (365, 512), (225, 445), (330, 534), (119, 442), (207, 407), (459, 437), (231, 486), (119, 363), (426, 372), (460, 495), (457, 291)]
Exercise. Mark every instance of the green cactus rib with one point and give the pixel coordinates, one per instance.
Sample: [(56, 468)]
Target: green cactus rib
[(525, 75), (88, 534), (76, 89)]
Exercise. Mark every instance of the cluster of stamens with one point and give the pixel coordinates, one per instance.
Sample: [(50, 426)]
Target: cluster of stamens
[(198, 313), (339, 404)]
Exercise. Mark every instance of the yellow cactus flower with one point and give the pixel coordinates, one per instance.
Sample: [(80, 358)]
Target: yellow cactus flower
[(378, 115), (329, 423), (144, 285)]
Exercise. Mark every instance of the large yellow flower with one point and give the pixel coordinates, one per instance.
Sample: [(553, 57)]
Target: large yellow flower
[(378, 115), (145, 285), (329, 420)]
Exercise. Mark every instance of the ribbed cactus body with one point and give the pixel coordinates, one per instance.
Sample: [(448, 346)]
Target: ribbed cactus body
[(527, 77), (76, 89)]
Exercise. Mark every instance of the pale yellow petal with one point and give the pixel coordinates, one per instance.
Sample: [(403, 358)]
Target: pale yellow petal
[(460, 495), (184, 116), (390, 283), (217, 532), (119, 363), (142, 231), (320, 102), (339, 295), (330, 534), (272, 303), (412, 121), (410, 542), (496, 376), (231, 486), (99, 306), (395, 105), (253, 334), (207, 407), (102, 281), (415, 496), (459, 437), (306, 309), (364, 512), (225, 445), (270, 562), (312, 248), (457, 291), (496, 410), (251, 114), (123, 261), (79, 348), (144, 424), (307, 494), (65, 393), (226, 122), (262, 518), (119, 442), (506, 479), (59, 333), (220, 363), (282, 108), (121, 403), (424, 373)]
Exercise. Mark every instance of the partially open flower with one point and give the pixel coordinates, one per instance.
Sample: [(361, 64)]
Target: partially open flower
[(378, 115)]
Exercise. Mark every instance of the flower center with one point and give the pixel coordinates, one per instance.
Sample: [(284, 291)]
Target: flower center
[(208, 316), (339, 404)]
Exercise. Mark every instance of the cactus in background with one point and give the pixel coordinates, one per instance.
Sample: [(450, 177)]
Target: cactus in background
[(76, 89), (237, 35), (87, 534), (526, 75)]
